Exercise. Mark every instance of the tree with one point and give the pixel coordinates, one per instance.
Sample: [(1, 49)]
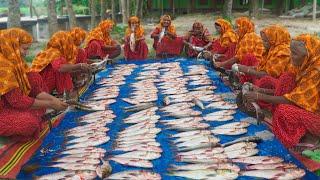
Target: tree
[(52, 17), (139, 6), (113, 10), (124, 11), (103, 8), (72, 17), (254, 8), (227, 8), (93, 13), (14, 14), (128, 9)]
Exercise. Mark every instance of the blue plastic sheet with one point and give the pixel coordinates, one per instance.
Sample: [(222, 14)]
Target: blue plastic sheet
[(54, 142)]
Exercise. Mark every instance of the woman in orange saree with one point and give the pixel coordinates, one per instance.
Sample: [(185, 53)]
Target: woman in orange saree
[(296, 114), (23, 97), (135, 47), (99, 43), (79, 35), (56, 63), (166, 42), (249, 49)]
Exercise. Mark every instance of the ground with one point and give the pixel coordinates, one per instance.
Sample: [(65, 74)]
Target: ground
[(183, 23)]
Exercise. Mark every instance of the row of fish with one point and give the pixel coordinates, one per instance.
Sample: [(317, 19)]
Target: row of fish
[(81, 158)]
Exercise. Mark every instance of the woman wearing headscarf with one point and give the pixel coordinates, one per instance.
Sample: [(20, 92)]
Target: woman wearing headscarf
[(99, 43), (249, 50), (56, 63), (197, 40), (78, 36), (296, 115), (276, 66), (166, 42), (225, 45), (135, 47), (23, 97)]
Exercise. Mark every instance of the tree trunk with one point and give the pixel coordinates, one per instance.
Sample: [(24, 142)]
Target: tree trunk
[(128, 9), (30, 8), (227, 8), (113, 10), (103, 6), (254, 8), (72, 17), (124, 11), (14, 14), (52, 17), (93, 13), (138, 8), (314, 12)]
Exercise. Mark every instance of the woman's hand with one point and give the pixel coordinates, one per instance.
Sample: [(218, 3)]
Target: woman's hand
[(58, 105), (251, 96)]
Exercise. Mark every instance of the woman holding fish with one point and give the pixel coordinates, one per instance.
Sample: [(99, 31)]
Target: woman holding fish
[(166, 42), (249, 48), (225, 45), (197, 40), (135, 46), (23, 97), (99, 43), (296, 115), (56, 63)]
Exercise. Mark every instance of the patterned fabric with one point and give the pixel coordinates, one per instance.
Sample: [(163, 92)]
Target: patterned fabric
[(78, 35), (101, 32), (60, 45), (139, 32), (306, 94), (252, 44), (245, 26), (13, 68), (290, 123), (278, 59), (203, 36), (227, 36)]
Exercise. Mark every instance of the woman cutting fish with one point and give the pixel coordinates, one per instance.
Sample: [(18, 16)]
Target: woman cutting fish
[(296, 115), (99, 43), (23, 97), (225, 45), (135, 46), (197, 40), (249, 48), (56, 63), (166, 42)]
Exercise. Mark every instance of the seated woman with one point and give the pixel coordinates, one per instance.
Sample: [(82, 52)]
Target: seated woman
[(56, 63), (166, 43), (23, 97), (277, 59), (99, 43), (225, 45), (135, 46), (249, 48), (79, 35), (197, 40), (296, 114)]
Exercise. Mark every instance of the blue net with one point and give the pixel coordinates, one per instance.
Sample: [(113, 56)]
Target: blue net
[(55, 140)]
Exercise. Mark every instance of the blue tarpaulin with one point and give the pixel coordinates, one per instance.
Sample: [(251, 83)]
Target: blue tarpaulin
[(54, 142)]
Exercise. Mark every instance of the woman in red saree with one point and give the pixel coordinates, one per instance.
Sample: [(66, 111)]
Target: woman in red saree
[(249, 50), (225, 45), (135, 47), (197, 40), (23, 97), (296, 113), (99, 43), (166, 42), (56, 63)]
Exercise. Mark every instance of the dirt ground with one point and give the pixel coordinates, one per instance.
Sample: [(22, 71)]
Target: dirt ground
[(183, 23)]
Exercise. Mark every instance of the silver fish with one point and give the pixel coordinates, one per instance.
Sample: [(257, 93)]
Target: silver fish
[(198, 103), (84, 150), (135, 175), (133, 162), (259, 160), (240, 145), (271, 166), (241, 153), (100, 141), (294, 173), (222, 105), (230, 132), (146, 155)]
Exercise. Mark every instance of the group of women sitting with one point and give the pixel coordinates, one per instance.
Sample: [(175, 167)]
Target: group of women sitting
[(283, 71)]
